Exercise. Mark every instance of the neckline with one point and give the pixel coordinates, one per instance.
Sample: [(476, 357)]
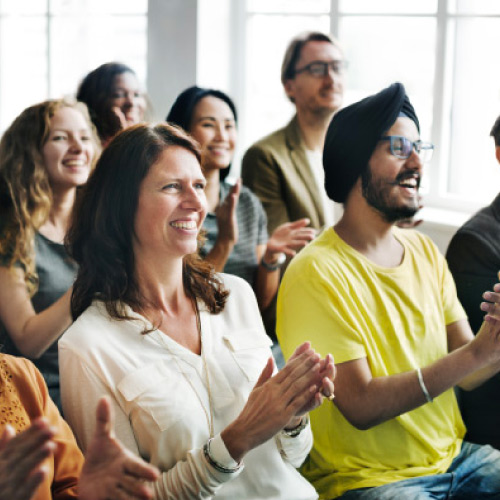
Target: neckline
[(377, 267)]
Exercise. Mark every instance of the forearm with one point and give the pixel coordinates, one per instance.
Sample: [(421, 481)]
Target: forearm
[(34, 333), (266, 284), (219, 254), (384, 398), (193, 477)]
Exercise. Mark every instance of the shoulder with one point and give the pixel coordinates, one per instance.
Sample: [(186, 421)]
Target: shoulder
[(17, 366), (237, 286), (273, 144), (416, 241), (241, 312), (93, 323), (483, 226), (319, 260), (476, 243), (249, 200), (24, 377)]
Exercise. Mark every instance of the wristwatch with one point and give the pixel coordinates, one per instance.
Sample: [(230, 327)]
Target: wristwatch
[(273, 266)]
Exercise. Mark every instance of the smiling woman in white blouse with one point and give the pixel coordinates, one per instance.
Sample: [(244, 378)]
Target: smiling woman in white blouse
[(180, 349)]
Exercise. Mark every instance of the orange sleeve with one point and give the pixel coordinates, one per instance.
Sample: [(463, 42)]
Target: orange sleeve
[(67, 461)]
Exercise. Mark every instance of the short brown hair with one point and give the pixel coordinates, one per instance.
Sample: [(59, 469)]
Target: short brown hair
[(101, 235), (294, 49)]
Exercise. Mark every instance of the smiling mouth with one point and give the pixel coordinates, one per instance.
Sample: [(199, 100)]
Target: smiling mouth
[(184, 224), (74, 163), (409, 181)]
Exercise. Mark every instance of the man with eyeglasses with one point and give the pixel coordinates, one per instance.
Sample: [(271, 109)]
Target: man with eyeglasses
[(382, 300), (284, 169), (473, 256)]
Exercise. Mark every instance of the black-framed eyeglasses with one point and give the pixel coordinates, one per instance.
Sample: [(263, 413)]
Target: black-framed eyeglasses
[(402, 147), (319, 69)]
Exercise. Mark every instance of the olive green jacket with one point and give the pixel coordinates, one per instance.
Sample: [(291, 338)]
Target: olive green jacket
[(276, 169)]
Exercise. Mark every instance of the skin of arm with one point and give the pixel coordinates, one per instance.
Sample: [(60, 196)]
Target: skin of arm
[(227, 234), (366, 401), (32, 333), (266, 281)]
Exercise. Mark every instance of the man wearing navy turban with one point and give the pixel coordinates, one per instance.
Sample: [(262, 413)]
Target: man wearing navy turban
[(382, 300)]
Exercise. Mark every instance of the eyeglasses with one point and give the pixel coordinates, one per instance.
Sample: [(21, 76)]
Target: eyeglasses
[(401, 147), (319, 69)]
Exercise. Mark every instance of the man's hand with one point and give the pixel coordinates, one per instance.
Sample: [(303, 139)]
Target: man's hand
[(21, 457), (111, 471)]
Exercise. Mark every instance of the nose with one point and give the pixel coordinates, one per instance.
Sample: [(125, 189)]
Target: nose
[(194, 199), (330, 74), (129, 100), (414, 161), (76, 144), (221, 132)]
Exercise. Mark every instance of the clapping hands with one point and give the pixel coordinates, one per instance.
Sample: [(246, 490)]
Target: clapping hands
[(280, 401), (110, 470)]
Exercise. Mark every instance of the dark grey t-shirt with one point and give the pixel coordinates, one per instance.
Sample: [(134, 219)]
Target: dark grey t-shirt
[(56, 273)]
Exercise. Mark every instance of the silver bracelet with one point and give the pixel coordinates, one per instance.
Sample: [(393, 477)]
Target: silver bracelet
[(297, 430), (216, 465), (423, 387)]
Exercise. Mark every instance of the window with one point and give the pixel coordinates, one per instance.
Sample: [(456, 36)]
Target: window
[(47, 46), (442, 50)]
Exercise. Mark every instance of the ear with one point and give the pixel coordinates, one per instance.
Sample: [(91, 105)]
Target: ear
[(289, 88), (497, 153)]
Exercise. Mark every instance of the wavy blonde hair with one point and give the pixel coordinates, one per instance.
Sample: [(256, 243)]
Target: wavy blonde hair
[(25, 191)]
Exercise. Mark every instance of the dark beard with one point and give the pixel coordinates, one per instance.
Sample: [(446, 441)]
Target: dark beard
[(374, 194)]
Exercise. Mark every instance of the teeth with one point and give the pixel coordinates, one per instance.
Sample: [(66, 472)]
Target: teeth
[(74, 163), (412, 183), (184, 224)]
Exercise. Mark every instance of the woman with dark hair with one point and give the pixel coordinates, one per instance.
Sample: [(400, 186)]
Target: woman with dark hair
[(114, 98), (236, 224), (47, 152), (180, 349)]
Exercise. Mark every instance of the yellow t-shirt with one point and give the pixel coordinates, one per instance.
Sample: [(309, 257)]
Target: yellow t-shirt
[(396, 318)]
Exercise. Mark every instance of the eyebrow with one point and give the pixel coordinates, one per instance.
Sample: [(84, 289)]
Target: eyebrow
[(212, 118), (68, 130)]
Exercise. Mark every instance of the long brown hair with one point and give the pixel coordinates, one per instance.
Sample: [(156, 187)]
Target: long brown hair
[(101, 236), (25, 191)]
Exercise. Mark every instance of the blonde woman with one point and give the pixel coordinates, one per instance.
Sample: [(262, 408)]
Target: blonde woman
[(47, 152)]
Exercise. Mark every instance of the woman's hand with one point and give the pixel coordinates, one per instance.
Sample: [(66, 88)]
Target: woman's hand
[(288, 238), (21, 457), (326, 375), (226, 216), (110, 470), (275, 401)]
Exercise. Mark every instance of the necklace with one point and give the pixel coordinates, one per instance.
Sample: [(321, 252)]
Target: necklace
[(209, 414)]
